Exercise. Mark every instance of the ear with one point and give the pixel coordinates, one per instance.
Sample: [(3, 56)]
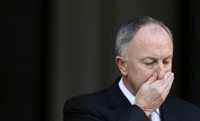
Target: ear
[(122, 65)]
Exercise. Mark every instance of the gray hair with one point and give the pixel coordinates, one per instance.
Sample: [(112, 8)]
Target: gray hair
[(128, 31)]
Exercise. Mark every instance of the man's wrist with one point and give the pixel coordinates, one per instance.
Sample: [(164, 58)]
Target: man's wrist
[(147, 112)]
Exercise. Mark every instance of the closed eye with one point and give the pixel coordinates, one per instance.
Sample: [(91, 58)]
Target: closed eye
[(166, 62), (148, 64)]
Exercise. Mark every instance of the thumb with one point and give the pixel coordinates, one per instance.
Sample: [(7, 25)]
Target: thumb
[(152, 79)]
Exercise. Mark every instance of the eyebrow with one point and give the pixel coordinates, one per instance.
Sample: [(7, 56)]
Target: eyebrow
[(168, 57), (153, 58)]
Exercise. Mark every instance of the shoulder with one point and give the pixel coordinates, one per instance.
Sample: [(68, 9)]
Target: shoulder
[(183, 108), (96, 99), (84, 98), (176, 102), (87, 101), (89, 106)]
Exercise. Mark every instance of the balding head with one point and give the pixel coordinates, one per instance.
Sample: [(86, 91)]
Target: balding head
[(128, 31)]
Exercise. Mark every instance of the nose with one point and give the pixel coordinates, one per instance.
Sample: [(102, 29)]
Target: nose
[(160, 71)]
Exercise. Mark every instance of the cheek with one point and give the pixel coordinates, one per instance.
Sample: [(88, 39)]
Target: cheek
[(168, 68), (144, 74), (140, 78), (147, 74)]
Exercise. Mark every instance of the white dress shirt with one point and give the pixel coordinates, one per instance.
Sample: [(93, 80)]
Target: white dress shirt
[(155, 116)]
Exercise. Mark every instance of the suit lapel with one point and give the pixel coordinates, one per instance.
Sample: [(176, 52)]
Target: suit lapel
[(168, 113), (117, 100)]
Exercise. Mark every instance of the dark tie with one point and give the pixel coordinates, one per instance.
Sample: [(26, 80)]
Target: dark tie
[(150, 117)]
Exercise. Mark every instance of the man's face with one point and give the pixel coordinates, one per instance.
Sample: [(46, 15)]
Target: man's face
[(149, 51)]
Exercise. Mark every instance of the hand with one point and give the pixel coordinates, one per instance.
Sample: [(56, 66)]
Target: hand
[(153, 93)]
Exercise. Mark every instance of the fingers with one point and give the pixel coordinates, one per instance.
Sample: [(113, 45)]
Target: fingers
[(164, 85), (152, 79), (168, 80), (168, 83)]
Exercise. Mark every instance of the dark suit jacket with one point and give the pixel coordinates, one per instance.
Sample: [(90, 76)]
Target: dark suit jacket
[(112, 105)]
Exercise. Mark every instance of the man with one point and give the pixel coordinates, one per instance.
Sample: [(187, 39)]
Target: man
[(144, 48)]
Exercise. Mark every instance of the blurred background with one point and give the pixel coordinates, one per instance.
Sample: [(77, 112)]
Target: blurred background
[(52, 50)]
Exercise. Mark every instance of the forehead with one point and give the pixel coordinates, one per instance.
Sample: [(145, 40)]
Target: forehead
[(151, 39), (152, 33)]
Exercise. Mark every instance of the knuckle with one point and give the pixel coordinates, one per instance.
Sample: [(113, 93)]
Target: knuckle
[(159, 92)]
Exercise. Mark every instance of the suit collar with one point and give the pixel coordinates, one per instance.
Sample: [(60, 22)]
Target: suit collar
[(116, 99)]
